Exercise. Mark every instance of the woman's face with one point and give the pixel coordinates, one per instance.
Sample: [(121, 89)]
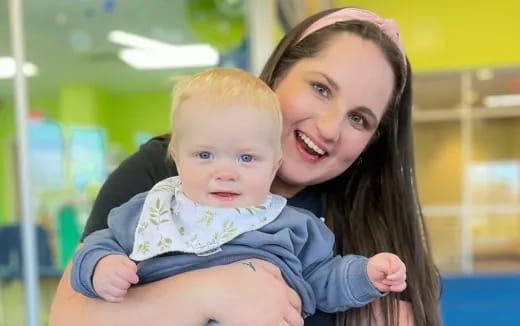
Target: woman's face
[(332, 105)]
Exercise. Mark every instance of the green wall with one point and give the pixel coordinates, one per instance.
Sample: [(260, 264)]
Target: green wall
[(6, 160), (120, 114), (138, 112)]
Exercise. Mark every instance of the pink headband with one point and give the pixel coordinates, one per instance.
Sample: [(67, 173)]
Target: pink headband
[(388, 26)]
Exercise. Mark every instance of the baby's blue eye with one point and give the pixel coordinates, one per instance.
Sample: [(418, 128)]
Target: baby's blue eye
[(205, 155), (246, 158)]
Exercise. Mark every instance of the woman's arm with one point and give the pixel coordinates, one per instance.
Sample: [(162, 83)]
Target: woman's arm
[(405, 313), (233, 294), (141, 306)]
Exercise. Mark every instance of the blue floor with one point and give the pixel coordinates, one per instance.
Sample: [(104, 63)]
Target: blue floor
[(481, 300)]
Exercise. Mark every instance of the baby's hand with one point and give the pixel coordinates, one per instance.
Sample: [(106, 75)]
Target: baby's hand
[(387, 272), (113, 275)]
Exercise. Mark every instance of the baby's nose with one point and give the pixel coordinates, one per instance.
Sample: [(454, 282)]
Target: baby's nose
[(226, 175)]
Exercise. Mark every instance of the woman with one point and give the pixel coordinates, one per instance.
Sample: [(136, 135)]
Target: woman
[(344, 86)]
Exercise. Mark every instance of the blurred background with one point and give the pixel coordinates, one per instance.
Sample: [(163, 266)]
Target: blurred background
[(98, 87)]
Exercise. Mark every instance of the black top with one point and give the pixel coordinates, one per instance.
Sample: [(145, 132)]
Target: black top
[(141, 171)]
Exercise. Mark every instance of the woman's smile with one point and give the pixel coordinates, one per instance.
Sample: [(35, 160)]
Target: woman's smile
[(341, 99)]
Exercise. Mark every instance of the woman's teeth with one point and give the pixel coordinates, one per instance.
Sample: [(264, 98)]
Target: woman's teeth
[(310, 144)]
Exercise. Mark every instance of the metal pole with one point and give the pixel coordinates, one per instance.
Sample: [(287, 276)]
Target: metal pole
[(30, 270)]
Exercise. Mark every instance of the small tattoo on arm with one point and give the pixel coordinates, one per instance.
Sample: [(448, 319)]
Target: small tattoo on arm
[(250, 265)]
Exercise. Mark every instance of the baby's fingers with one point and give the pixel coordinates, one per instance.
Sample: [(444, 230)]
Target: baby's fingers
[(397, 276), (398, 287), (113, 298), (113, 294), (120, 283), (396, 264), (129, 274), (397, 270), (394, 286)]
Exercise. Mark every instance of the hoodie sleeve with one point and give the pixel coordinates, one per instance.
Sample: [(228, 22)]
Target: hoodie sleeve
[(117, 239), (339, 283)]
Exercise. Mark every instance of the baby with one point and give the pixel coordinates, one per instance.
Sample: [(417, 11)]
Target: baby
[(226, 143)]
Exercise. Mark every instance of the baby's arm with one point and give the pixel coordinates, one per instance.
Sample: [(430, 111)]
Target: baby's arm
[(88, 260), (92, 272), (338, 283), (352, 281), (387, 272), (113, 275)]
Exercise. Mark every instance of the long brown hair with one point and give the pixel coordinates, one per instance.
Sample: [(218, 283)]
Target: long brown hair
[(373, 206)]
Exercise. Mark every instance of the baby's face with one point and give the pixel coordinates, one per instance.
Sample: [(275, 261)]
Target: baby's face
[(225, 157)]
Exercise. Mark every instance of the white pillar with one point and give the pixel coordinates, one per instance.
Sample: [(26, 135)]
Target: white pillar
[(30, 258), (261, 19)]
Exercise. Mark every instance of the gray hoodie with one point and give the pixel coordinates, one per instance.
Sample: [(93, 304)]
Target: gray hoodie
[(298, 242)]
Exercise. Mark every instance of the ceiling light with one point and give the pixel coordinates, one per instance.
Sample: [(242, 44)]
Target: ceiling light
[(494, 101), (7, 68), (147, 53), (136, 41), (145, 59)]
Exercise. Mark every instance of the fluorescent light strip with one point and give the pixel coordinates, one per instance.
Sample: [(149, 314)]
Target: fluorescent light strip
[(147, 53), (177, 58), (494, 101), (136, 41), (7, 68)]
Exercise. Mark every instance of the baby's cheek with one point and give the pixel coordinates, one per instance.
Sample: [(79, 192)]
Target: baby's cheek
[(260, 190)]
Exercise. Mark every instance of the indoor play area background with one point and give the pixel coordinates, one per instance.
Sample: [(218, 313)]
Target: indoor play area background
[(93, 100)]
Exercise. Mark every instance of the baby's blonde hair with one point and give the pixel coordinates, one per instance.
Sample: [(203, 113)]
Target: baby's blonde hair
[(222, 88)]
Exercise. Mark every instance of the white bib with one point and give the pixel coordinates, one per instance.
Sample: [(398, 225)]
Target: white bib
[(171, 222)]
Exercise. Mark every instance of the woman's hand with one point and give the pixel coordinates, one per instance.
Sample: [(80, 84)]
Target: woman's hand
[(250, 293)]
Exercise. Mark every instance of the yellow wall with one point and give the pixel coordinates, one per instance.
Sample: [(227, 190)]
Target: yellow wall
[(447, 34)]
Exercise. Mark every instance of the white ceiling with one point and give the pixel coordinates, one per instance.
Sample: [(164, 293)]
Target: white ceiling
[(67, 39)]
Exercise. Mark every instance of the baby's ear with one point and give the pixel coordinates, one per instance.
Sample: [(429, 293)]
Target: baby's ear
[(171, 149), (277, 165)]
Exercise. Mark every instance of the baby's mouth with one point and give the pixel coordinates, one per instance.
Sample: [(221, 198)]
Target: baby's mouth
[(224, 195), (309, 146)]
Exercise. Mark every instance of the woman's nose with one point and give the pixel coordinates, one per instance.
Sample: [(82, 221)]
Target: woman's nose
[(330, 124)]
